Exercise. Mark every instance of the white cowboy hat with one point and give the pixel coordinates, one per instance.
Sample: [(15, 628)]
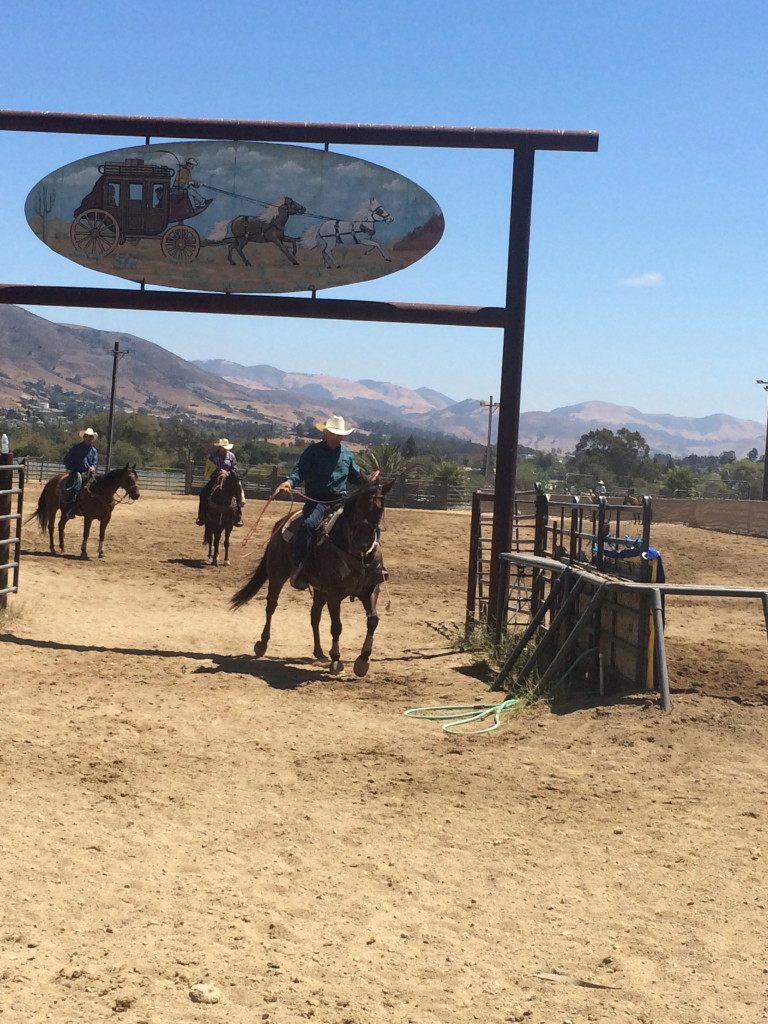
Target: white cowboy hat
[(88, 432), (335, 425), (224, 442)]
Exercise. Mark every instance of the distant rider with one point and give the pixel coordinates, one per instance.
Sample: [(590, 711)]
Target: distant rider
[(222, 457), (81, 461)]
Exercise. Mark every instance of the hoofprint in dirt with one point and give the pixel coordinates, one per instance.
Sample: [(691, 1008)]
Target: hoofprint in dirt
[(177, 812)]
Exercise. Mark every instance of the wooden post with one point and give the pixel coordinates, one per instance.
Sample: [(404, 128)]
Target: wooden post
[(6, 484), (511, 385)]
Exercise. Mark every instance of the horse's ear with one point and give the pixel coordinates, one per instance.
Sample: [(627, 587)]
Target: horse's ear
[(387, 487)]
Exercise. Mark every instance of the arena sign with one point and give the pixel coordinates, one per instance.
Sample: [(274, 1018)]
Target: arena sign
[(234, 216)]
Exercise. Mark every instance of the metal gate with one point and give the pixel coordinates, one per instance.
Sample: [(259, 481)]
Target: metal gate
[(11, 486)]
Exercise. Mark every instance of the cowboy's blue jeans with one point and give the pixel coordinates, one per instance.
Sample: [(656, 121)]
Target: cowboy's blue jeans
[(311, 515)]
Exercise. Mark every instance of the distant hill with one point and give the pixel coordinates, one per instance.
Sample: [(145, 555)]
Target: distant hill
[(38, 357), (558, 430)]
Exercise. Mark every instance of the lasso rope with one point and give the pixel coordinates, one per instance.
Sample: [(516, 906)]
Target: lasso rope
[(461, 715)]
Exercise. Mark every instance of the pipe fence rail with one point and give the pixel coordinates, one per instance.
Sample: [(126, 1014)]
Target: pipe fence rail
[(260, 483)]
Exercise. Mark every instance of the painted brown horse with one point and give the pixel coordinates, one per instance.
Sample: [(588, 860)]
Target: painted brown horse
[(344, 560), (96, 501)]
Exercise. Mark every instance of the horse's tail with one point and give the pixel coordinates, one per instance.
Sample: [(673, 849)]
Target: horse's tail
[(311, 237), (219, 234), (40, 513), (252, 587)]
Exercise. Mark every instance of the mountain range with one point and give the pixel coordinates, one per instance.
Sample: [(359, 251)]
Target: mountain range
[(41, 360)]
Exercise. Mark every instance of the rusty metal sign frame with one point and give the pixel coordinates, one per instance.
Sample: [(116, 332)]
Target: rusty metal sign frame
[(510, 318)]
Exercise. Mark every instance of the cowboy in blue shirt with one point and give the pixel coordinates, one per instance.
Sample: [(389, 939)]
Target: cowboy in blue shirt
[(81, 461), (325, 467)]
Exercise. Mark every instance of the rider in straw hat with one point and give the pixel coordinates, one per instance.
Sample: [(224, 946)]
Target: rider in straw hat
[(80, 461), (222, 457), (326, 468)]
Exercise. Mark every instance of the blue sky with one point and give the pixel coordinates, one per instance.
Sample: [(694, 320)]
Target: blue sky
[(648, 277)]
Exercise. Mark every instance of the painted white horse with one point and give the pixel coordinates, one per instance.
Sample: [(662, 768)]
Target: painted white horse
[(358, 230)]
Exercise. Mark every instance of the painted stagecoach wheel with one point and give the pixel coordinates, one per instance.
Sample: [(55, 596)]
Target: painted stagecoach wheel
[(180, 243), (95, 233)]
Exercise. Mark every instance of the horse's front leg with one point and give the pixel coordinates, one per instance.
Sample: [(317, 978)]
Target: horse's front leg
[(334, 610), (368, 600), (103, 523), (86, 530), (226, 544), (375, 245), (318, 603), (216, 537), (284, 250)]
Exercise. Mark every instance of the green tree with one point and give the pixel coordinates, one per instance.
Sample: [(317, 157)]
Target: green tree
[(745, 479), (679, 480), (621, 456), (449, 472)]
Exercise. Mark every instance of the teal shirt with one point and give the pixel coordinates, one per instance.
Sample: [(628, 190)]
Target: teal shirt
[(325, 472)]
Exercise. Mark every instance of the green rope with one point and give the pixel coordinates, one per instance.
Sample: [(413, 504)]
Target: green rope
[(461, 715), (464, 715)]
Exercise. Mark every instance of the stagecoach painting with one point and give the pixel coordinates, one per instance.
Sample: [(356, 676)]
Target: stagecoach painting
[(133, 200), (234, 216)]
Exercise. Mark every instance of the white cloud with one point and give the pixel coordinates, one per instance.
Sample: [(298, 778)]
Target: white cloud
[(650, 280)]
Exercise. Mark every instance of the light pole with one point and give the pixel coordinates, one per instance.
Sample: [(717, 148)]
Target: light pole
[(492, 407), (764, 384), (116, 354)]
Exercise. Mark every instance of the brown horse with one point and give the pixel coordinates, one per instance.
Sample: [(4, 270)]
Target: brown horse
[(636, 504), (344, 560), (93, 502), (220, 514), (269, 226)]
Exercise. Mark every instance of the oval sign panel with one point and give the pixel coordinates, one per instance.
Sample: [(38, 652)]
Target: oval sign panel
[(234, 217)]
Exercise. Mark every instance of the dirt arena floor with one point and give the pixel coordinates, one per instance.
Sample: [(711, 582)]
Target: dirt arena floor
[(183, 822)]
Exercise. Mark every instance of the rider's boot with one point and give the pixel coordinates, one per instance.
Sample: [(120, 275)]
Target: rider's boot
[(298, 580)]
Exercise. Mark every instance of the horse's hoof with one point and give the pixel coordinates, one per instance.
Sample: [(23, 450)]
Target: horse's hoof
[(260, 649), (319, 654), (361, 667), (85, 558), (337, 667), (226, 562)]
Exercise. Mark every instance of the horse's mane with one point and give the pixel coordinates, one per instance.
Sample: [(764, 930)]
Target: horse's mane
[(273, 211), (365, 211), (111, 477)]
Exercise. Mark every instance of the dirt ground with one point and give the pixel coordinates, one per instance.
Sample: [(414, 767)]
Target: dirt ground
[(177, 813)]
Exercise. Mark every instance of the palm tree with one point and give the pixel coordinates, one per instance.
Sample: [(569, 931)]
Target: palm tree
[(387, 458)]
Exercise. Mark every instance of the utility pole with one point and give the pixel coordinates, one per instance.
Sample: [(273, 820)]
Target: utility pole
[(115, 359), (492, 407), (764, 384)]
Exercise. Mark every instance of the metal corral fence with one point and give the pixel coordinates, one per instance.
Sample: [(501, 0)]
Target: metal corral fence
[(553, 526), (609, 637), (261, 483), (10, 524)]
